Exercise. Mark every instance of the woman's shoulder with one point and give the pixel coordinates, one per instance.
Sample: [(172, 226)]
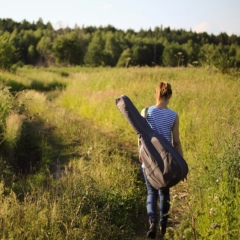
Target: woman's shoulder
[(150, 108), (154, 108), (172, 114), (172, 111)]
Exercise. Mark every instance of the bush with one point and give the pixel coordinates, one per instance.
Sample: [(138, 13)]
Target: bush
[(6, 104)]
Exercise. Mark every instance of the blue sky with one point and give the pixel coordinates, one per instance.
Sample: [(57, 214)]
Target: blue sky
[(212, 16)]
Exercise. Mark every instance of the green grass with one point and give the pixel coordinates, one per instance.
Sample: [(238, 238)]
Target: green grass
[(86, 181), (208, 104)]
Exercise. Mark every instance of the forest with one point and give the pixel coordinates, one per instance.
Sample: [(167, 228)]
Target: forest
[(39, 44)]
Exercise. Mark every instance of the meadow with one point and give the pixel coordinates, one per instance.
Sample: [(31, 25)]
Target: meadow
[(69, 162)]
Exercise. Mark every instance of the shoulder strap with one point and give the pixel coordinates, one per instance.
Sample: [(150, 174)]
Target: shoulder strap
[(144, 112)]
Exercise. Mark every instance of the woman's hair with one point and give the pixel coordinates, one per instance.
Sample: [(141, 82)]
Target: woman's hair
[(163, 90)]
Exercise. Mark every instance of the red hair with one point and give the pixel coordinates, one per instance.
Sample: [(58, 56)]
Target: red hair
[(163, 90)]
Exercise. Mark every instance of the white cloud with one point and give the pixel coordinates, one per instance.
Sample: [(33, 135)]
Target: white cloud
[(202, 27), (60, 24), (107, 6)]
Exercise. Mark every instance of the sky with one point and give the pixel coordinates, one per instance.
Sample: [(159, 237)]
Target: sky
[(211, 16)]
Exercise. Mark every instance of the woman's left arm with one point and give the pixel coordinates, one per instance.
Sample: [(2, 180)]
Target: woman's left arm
[(176, 139)]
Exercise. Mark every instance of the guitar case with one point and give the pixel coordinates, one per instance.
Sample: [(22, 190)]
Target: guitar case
[(164, 166)]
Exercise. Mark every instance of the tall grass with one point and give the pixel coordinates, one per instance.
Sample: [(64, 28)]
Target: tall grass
[(13, 129), (208, 106), (95, 191)]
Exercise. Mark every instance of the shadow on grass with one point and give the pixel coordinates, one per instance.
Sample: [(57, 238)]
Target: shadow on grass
[(35, 145), (43, 146), (40, 86), (16, 86)]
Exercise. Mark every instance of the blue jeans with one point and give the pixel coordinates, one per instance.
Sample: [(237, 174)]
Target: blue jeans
[(152, 199)]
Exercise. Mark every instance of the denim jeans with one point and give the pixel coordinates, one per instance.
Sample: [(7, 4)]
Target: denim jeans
[(152, 200)]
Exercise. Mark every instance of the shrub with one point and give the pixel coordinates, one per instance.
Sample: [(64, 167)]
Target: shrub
[(6, 104)]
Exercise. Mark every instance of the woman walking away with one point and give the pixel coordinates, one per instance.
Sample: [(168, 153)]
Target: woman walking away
[(166, 122)]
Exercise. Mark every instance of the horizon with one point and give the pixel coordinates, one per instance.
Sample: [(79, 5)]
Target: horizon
[(210, 16), (61, 26)]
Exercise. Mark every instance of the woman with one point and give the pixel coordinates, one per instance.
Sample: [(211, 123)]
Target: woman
[(166, 122)]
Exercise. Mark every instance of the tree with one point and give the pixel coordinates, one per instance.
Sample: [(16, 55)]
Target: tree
[(95, 56), (32, 53), (112, 49), (223, 38), (8, 54), (225, 58), (68, 49), (174, 55), (192, 50), (141, 55), (40, 24), (25, 25), (237, 57), (156, 51), (125, 59), (44, 48), (22, 41), (207, 54), (7, 25)]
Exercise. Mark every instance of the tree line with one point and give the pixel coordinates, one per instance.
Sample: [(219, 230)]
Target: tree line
[(39, 44)]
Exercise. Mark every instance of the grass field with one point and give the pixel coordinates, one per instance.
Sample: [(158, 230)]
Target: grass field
[(69, 162)]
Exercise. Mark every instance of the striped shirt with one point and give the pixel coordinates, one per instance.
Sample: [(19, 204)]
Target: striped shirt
[(162, 121)]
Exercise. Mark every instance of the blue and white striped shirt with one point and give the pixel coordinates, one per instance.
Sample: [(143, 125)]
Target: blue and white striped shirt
[(162, 121)]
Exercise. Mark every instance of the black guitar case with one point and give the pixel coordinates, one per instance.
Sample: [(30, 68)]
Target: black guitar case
[(164, 166)]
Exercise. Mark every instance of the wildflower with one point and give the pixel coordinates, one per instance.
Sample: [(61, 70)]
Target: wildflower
[(211, 211)]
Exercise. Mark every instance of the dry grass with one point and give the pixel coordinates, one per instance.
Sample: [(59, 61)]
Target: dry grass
[(13, 128)]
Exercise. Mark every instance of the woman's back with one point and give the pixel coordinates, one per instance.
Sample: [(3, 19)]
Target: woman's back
[(162, 121)]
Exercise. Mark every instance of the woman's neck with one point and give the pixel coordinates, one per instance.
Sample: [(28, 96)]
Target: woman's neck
[(162, 104)]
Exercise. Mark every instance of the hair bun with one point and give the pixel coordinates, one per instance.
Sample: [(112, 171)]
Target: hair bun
[(165, 90)]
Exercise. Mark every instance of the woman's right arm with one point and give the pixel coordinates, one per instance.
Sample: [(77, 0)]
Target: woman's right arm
[(176, 139)]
